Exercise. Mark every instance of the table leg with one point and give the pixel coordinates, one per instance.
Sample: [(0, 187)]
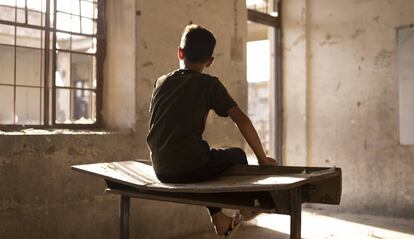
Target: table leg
[(124, 217), (295, 213)]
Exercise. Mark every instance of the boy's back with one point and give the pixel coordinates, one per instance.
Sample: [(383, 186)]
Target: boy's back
[(179, 107)]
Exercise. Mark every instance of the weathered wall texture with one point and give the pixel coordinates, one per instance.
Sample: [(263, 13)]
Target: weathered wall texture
[(41, 197), (159, 27), (405, 74), (341, 99), (119, 84)]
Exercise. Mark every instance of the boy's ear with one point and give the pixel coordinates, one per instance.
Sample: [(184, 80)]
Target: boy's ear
[(210, 61), (180, 53)]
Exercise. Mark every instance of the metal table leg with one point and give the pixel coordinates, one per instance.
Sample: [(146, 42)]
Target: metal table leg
[(124, 217), (295, 213)]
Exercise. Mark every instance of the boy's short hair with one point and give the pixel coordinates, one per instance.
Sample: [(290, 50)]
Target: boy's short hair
[(197, 43)]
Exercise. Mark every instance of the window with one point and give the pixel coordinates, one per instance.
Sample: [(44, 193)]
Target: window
[(264, 73), (51, 63), (269, 7)]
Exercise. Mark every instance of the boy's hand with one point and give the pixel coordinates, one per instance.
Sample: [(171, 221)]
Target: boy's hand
[(267, 161)]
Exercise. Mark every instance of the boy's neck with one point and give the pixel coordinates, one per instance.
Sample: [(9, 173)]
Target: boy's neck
[(192, 66)]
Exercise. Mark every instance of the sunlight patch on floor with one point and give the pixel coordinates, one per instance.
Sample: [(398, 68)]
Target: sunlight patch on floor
[(320, 226)]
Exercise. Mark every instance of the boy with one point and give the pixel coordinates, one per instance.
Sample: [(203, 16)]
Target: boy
[(179, 106)]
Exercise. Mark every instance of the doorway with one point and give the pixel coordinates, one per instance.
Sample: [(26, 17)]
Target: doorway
[(263, 75)]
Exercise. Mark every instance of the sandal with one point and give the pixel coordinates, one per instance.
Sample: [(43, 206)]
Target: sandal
[(234, 225)]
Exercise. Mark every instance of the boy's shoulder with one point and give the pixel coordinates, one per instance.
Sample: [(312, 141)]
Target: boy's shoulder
[(180, 73)]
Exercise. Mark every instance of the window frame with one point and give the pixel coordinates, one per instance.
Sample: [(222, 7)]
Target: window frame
[(264, 17), (49, 66)]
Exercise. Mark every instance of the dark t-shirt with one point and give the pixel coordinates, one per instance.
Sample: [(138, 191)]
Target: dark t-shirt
[(179, 107)]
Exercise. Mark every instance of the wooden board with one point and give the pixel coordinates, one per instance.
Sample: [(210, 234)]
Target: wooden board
[(142, 176)]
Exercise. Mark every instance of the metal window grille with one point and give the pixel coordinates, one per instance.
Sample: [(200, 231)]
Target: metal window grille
[(51, 63)]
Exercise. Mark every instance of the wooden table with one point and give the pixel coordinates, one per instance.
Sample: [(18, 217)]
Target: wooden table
[(278, 189)]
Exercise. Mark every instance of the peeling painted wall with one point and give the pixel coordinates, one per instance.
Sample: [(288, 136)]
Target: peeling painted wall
[(341, 98), (41, 197)]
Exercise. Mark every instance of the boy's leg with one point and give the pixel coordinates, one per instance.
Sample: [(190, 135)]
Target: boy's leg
[(224, 158), (228, 156), (234, 156), (219, 161)]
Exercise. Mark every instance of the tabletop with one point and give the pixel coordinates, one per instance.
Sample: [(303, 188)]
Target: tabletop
[(240, 178)]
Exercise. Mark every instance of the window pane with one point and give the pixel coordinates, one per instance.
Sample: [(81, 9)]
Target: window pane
[(94, 73), (82, 70), (28, 66), (66, 22), (75, 24), (69, 6), (87, 9), (28, 37), (20, 3), (6, 104), (6, 34), (88, 26), (21, 16), (83, 109), (35, 4), (63, 21), (27, 105), (64, 6), (8, 2), (95, 11), (63, 105), (7, 13), (34, 18), (75, 7), (75, 106), (63, 41), (84, 44), (7, 64), (63, 69)]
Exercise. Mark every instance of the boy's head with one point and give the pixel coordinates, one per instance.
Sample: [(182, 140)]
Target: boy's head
[(197, 44)]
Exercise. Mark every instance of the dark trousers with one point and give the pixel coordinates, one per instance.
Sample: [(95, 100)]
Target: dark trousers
[(219, 161)]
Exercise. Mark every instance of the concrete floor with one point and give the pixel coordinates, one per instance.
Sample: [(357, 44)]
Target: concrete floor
[(317, 224)]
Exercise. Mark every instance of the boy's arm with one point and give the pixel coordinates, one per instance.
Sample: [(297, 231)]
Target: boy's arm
[(249, 133)]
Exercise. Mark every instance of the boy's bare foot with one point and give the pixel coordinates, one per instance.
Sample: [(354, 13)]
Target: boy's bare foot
[(248, 214), (224, 224)]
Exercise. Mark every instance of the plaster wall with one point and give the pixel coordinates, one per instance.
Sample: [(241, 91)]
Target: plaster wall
[(294, 82), (42, 197), (119, 74), (348, 79), (405, 73), (159, 27)]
